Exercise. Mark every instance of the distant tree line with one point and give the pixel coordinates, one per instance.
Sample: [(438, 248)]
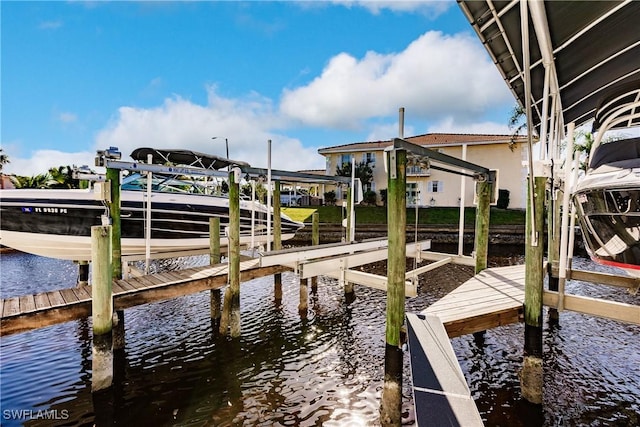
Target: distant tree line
[(60, 177)]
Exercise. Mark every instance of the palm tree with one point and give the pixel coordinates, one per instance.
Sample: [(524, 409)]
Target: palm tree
[(62, 177), (584, 141), (4, 159), (583, 144), (35, 181)]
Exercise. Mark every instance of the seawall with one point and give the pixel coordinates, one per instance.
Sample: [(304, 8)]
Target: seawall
[(503, 234)]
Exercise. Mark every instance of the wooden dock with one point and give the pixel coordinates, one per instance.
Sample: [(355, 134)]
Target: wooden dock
[(23, 313), (492, 298)]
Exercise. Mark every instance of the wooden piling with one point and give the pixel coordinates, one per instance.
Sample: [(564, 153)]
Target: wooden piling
[(531, 374), (553, 245), (214, 240), (214, 258), (391, 404), (118, 330), (304, 298), (230, 320), (83, 273), (101, 296), (350, 220), (277, 239), (277, 286), (349, 293), (481, 244), (481, 240), (113, 177), (315, 229), (102, 308), (315, 240)]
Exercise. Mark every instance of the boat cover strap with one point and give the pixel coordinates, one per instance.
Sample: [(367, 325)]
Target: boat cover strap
[(616, 151)]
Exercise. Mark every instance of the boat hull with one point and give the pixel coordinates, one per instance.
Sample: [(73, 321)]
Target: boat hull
[(78, 248), (608, 207), (57, 223)]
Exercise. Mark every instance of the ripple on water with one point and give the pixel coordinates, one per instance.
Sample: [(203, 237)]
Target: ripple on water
[(324, 369)]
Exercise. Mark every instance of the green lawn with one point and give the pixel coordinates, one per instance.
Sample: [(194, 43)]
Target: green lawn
[(378, 215)]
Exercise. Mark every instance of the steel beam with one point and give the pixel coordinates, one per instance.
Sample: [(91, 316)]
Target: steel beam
[(333, 264), (440, 157), (298, 255)]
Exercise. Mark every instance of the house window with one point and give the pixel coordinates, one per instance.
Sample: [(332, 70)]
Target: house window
[(369, 158), (344, 158), (435, 186), (369, 187)]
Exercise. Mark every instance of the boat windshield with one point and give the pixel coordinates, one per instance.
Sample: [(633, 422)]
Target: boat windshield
[(163, 184), (171, 184)]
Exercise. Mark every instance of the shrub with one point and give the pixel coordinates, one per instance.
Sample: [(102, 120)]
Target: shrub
[(369, 198), (383, 196), (503, 199), (330, 197)]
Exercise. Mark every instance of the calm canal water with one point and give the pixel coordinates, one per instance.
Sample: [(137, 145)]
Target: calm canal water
[(326, 369)]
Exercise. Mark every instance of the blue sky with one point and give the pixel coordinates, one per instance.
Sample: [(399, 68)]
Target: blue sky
[(81, 76)]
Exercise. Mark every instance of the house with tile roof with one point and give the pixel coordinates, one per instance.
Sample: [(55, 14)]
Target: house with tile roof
[(427, 186)]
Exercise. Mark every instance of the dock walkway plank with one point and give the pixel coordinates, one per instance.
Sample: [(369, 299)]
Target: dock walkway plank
[(11, 306), (493, 297), (83, 293), (28, 312), (55, 298), (27, 303), (42, 301), (69, 296)]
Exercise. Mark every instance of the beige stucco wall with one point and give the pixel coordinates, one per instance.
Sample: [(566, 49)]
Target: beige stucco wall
[(511, 174)]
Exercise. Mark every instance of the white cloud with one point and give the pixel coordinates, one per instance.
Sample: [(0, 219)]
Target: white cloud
[(66, 117), (155, 82), (445, 82), (40, 161), (431, 8), (246, 123), (384, 132), (436, 76), (450, 125), (50, 25)]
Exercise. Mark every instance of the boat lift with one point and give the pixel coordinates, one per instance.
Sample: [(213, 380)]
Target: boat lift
[(203, 165)]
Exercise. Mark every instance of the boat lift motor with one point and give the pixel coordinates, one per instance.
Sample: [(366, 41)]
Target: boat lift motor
[(110, 153)]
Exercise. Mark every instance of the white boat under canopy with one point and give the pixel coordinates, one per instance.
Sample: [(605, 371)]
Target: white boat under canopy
[(57, 222), (577, 62)]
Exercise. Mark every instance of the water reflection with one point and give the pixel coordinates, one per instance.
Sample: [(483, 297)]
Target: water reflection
[(325, 369)]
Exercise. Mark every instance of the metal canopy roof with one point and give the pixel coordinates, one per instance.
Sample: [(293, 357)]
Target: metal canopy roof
[(184, 157), (591, 47), (187, 162)]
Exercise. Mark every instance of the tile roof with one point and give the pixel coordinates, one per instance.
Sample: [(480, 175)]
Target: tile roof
[(429, 139), (314, 171)]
